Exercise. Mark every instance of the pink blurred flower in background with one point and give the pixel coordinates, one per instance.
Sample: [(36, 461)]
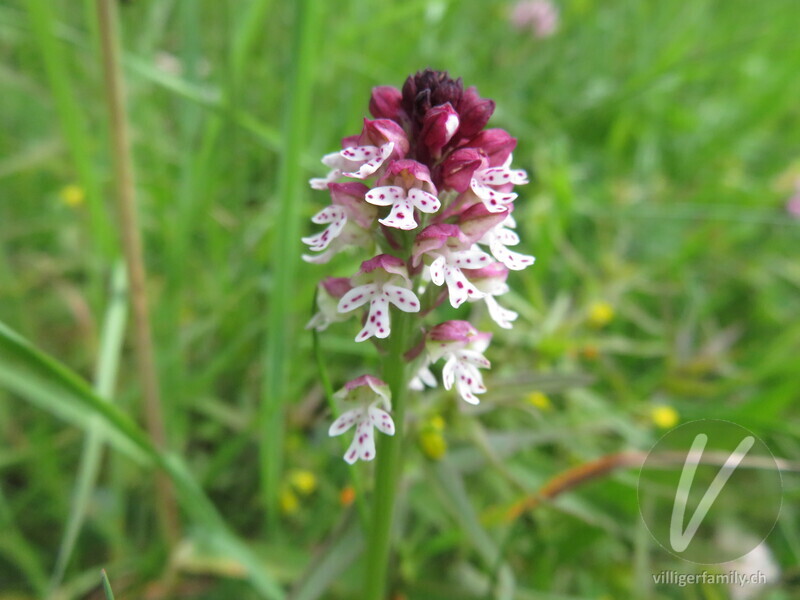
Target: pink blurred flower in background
[(793, 203), (539, 16)]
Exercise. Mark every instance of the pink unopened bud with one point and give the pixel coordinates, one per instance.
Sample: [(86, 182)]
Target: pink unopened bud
[(382, 131), (351, 196), (457, 169), (494, 271), (474, 113), (452, 331), (386, 103), (407, 174), (350, 141), (387, 262), (434, 237), (477, 220), (369, 380), (497, 144), (438, 128)]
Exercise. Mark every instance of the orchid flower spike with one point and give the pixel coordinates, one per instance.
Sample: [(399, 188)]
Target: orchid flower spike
[(427, 190)]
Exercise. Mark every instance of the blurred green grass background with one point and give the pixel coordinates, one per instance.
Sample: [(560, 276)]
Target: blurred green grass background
[(663, 142)]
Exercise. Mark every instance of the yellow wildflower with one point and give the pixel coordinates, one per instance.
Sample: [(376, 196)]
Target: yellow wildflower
[(72, 195), (600, 314), (303, 480), (664, 417), (433, 444), (436, 422), (540, 401), (430, 438), (289, 502)]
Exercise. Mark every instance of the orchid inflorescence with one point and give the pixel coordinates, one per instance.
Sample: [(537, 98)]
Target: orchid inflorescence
[(428, 193)]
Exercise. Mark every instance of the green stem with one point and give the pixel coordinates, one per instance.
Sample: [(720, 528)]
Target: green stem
[(389, 463)]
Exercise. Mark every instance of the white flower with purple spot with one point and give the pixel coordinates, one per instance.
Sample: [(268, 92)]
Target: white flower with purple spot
[(358, 162), (411, 188), (462, 347), (501, 236), (363, 155), (329, 291), (495, 230), (491, 280), (492, 185), (366, 417), (423, 377), (450, 252), (347, 216), (381, 281)]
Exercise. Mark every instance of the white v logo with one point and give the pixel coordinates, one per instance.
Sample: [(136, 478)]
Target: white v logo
[(680, 540)]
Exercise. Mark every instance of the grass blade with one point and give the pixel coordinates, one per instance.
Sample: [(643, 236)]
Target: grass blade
[(107, 586), (279, 346), (108, 361), (47, 383)]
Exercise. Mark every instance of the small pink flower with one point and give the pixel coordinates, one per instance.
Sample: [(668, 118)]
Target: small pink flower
[(540, 16), (496, 144), (793, 205), (347, 204)]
